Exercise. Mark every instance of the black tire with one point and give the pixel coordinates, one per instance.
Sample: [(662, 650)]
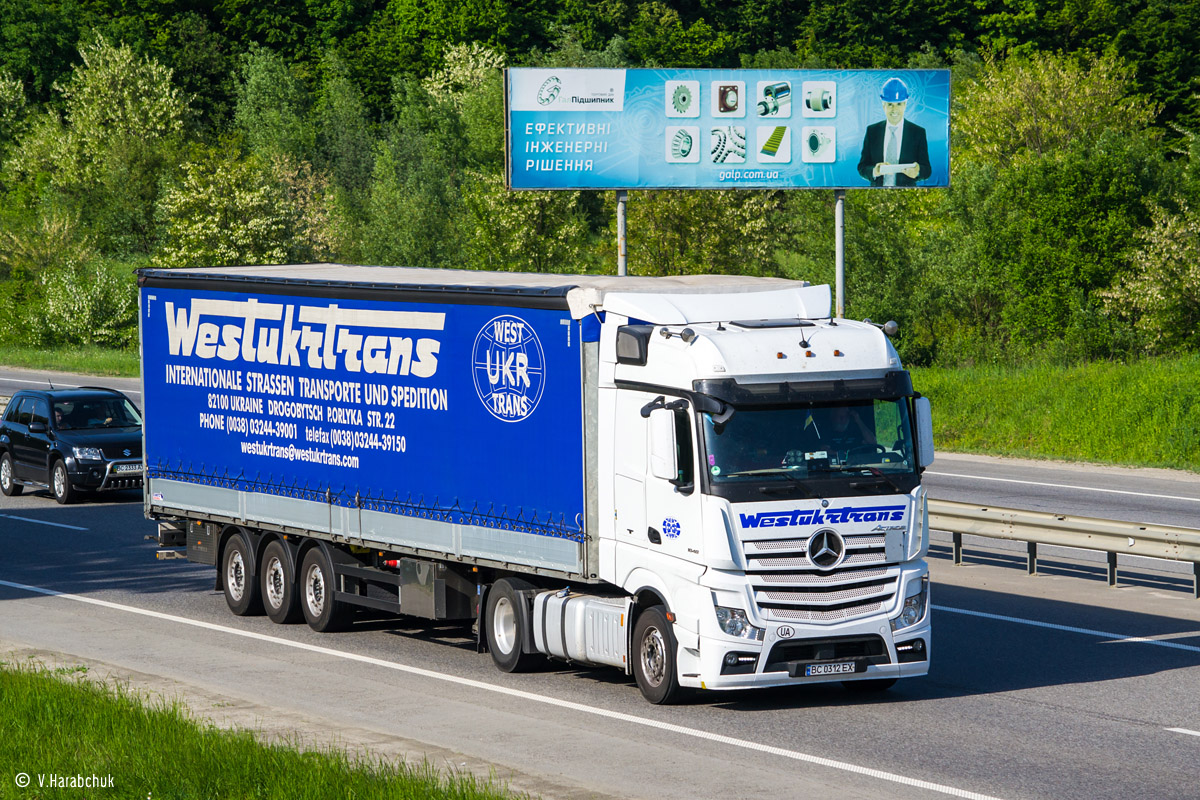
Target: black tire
[(655, 665), (316, 589), (60, 483), (505, 623), (277, 579), (8, 478), (238, 578), (866, 687)]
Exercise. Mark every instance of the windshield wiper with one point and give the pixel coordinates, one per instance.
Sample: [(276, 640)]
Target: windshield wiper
[(796, 482), (879, 479)]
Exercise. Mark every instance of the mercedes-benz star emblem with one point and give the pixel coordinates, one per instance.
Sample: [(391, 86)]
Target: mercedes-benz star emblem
[(826, 549)]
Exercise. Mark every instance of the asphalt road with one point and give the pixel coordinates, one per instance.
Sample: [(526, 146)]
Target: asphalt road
[(1048, 687), (1101, 706)]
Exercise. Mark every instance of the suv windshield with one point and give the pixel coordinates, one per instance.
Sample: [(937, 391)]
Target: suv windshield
[(844, 447), (95, 412)]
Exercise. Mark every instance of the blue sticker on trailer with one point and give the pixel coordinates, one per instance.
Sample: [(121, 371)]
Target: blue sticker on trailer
[(467, 413)]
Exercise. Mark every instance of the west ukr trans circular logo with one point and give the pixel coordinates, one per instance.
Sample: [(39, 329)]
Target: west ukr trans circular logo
[(509, 368)]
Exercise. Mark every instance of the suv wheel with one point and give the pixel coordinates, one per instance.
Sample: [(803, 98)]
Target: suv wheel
[(60, 483), (8, 482)]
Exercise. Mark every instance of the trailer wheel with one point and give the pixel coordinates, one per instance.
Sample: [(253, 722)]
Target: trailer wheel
[(8, 480), (654, 661), (238, 580), (279, 585), (505, 621), (317, 588)]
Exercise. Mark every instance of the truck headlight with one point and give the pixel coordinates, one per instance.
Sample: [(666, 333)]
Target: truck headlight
[(915, 605), (87, 454), (733, 621)]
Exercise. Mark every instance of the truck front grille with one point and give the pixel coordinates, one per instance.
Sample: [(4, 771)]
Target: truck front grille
[(788, 586)]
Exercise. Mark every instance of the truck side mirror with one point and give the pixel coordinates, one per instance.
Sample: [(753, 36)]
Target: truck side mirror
[(924, 432), (662, 445)]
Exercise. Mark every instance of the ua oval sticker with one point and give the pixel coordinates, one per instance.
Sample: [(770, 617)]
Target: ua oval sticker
[(509, 368)]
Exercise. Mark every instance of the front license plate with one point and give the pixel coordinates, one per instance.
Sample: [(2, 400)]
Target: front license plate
[(128, 468), (843, 668)]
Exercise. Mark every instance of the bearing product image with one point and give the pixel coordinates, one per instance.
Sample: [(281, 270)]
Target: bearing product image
[(728, 144), (681, 144), (819, 100), (681, 100), (775, 97), (727, 99), (817, 144)]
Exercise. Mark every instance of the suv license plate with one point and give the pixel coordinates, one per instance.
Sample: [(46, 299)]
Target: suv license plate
[(128, 468), (843, 668)]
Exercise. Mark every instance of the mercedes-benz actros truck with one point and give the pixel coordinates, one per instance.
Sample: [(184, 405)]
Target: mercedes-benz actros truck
[(707, 482)]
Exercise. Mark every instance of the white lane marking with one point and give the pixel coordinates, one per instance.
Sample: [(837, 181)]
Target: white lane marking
[(536, 698), (43, 522), (1183, 730), (1064, 486), (1115, 637), (39, 383)]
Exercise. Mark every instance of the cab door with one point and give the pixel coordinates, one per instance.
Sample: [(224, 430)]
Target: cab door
[(673, 518)]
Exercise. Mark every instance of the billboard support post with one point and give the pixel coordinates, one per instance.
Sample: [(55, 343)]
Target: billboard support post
[(622, 262), (839, 237)]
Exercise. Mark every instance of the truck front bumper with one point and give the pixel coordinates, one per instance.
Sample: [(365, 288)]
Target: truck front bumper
[(864, 650)]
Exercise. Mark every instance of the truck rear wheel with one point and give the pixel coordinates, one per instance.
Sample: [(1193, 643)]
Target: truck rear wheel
[(279, 585), (505, 621), (317, 589), (238, 578), (654, 659)]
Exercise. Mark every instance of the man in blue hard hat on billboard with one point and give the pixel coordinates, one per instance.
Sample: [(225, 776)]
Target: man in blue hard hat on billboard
[(895, 152)]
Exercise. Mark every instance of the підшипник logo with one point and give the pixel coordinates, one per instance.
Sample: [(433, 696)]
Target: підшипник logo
[(509, 368), (548, 93)]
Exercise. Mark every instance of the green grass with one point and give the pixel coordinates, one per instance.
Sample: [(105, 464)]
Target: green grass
[(55, 726), (1143, 414), (84, 360)]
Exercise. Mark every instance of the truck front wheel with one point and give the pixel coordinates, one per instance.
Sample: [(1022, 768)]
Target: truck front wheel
[(654, 661), (238, 579), (317, 589), (505, 621)]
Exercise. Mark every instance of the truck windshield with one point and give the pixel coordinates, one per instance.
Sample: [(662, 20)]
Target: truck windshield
[(846, 447)]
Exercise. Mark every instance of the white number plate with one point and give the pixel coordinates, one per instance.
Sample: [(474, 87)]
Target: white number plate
[(812, 670), (127, 468)]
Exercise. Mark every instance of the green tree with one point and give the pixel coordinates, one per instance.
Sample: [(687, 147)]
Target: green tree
[(521, 231), (105, 155), (272, 106), (1161, 294)]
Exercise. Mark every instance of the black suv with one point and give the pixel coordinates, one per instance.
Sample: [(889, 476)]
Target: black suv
[(70, 440)]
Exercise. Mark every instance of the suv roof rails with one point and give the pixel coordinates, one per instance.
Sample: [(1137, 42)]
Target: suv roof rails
[(99, 389)]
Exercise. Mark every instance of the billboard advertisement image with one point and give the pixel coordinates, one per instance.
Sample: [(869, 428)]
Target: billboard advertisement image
[(727, 129)]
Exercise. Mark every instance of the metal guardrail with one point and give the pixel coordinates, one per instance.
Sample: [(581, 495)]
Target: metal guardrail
[(1038, 527)]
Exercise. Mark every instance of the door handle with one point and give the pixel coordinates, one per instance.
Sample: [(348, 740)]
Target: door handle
[(654, 536)]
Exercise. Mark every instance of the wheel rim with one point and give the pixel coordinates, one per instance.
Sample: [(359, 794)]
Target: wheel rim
[(275, 582), (653, 656), (5, 474), (504, 625), (60, 480), (235, 576), (314, 590)]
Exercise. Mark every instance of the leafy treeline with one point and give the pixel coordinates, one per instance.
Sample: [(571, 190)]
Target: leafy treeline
[(170, 134)]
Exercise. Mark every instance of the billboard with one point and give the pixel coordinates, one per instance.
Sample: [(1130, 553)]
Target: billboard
[(726, 129), (470, 413)]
